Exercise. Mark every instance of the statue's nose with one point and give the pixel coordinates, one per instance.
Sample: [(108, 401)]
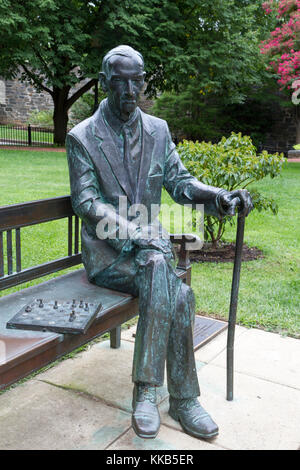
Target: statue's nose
[(130, 88)]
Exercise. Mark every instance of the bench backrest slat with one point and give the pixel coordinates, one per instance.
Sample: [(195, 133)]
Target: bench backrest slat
[(17, 216), (35, 212), (1, 255)]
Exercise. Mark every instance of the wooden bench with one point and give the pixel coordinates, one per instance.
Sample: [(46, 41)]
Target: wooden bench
[(23, 351)]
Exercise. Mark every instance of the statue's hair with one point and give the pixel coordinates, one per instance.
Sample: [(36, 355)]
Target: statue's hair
[(125, 51)]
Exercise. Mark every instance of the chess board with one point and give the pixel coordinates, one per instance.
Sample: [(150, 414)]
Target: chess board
[(60, 316)]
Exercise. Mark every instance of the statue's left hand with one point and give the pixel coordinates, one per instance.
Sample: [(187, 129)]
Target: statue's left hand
[(240, 198)]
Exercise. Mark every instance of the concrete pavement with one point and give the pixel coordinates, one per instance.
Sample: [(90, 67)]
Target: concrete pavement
[(85, 402)]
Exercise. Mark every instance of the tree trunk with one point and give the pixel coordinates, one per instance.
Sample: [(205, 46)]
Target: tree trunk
[(60, 115), (96, 96), (62, 103)]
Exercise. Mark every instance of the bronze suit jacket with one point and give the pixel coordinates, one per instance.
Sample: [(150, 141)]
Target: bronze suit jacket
[(98, 179)]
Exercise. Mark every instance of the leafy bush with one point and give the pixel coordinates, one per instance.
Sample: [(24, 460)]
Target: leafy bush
[(83, 107), (41, 118), (230, 164), (191, 116)]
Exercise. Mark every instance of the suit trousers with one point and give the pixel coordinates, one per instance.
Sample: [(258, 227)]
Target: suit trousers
[(166, 318)]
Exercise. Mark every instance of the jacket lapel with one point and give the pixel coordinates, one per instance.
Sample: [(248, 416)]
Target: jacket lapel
[(148, 142), (111, 153)]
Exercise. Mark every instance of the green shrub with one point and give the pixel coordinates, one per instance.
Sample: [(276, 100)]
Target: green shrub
[(230, 164), (83, 107), (41, 118)]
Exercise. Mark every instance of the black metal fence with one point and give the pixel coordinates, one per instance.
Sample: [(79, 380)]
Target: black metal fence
[(25, 135)]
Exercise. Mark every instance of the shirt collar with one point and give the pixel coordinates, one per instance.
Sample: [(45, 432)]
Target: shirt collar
[(116, 123)]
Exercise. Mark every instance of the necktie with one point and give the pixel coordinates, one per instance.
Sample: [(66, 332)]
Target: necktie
[(127, 159)]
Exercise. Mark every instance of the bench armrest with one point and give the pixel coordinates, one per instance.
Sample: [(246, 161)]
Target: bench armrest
[(187, 242)]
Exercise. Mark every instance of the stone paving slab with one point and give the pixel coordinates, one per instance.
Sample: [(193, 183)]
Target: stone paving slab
[(167, 439), (127, 334), (262, 416), (36, 415), (102, 372), (211, 350), (85, 402), (266, 355)]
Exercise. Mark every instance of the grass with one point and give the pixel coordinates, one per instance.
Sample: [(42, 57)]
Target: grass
[(269, 287), (28, 176)]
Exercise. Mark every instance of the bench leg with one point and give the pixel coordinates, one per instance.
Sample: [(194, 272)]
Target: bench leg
[(189, 276), (115, 337)]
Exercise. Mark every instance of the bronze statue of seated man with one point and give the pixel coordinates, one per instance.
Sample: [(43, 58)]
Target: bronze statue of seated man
[(121, 153)]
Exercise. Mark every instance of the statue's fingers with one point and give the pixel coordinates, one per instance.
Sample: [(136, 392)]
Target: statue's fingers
[(226, 202), (247, 205), (235, 203)]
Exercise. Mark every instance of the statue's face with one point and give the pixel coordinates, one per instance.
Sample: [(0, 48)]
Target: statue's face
[(124, 84)]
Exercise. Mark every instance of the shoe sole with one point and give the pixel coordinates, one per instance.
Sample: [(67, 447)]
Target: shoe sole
[(193, 433)]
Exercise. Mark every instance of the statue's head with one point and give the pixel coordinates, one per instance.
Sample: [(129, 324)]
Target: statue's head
[(122, 78)]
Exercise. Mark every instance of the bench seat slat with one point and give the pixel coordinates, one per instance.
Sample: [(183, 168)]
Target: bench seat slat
[(18, 349)]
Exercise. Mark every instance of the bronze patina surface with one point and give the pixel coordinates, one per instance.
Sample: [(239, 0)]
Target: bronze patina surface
[(60, 316), (122, 152)]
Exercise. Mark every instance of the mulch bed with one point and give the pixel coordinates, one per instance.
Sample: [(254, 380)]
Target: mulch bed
[(223, 254)]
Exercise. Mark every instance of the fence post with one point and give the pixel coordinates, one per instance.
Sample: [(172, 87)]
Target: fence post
[(29, 135)]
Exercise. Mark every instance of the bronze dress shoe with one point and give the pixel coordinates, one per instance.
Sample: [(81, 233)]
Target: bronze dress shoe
[(145, 416), (193, 418)]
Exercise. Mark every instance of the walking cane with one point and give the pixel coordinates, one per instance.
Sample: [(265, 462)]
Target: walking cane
[(233, 303)]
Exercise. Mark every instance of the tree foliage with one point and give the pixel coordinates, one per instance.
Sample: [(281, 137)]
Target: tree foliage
[(226, 70), (232, 163), (282, 46), (193, 116), (58, 45), (222, 55)]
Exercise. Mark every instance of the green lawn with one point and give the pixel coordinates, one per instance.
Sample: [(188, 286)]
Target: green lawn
[(28, 176), (269, 288)]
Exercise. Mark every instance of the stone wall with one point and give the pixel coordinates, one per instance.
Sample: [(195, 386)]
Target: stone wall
[(282, 136), (18, 100)]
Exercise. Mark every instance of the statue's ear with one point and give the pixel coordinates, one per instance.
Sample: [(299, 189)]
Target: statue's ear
[(102, 81)]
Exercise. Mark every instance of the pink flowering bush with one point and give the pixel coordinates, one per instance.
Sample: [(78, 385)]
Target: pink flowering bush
[(282, 48)]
